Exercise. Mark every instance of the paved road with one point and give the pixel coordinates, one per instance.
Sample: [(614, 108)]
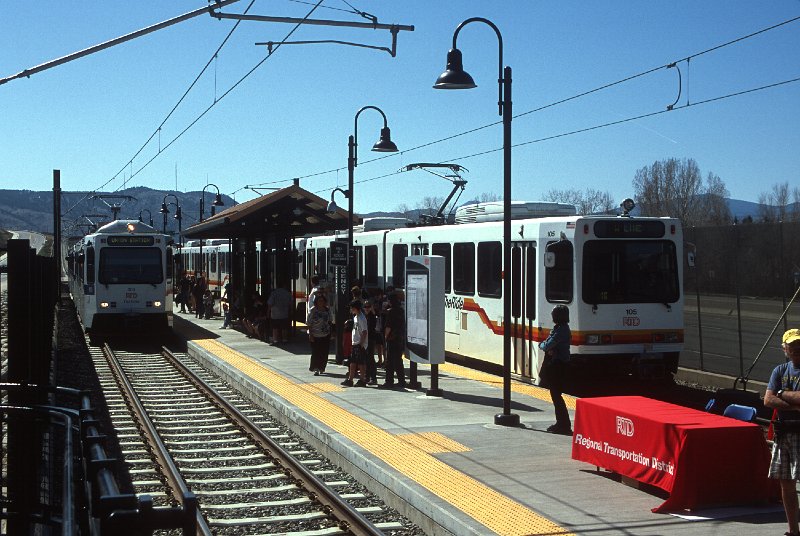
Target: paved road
[(719, 320)]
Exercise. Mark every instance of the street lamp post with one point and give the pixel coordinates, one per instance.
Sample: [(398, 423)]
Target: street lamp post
[(178, 216), (150, 214), (383, 145), (217, 203), (455, 77)]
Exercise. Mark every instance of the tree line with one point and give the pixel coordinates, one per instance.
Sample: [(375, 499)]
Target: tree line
[(669, 187)]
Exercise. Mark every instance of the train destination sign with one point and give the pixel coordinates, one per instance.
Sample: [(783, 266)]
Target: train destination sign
[(131, 240), (628, 228)]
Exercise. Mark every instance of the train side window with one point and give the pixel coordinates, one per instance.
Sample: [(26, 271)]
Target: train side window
[(516, 291), (358, 256), (399, 254), (322, 262), (90, 265), (530, 286), (297, 260), (214, 262), (558, 278), (490, 267), (371, 265), (169, 263), (311, 263), (444, 251), (464, 268)]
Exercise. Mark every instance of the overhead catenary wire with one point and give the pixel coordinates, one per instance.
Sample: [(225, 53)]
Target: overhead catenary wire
[(568, 99), (157, 131), (591, 128)]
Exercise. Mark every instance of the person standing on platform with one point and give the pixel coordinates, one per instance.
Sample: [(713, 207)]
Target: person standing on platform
[(185, 287), (556, 348), (358, 353), (783, 394), (312, 294), (377, 335), (197, 292), (279, 302), (372, 368), (394, 335), (318, 321)]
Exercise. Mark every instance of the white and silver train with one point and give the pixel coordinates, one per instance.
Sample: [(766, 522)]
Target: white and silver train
[(620, 277), (121, 277)]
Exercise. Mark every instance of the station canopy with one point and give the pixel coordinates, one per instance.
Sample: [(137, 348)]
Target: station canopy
[(289, 212)]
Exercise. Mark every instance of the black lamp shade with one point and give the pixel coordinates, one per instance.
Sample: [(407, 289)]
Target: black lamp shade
[(218, 201), (385, 144), (454, 76), (178, 213), (164, 209), (332, 206)]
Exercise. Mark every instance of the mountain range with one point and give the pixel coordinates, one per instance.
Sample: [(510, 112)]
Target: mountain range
[(32, 211)]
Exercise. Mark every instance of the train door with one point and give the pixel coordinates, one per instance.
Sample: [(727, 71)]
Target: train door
[(523, 306)]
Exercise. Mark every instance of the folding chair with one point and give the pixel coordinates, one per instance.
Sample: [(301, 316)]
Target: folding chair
[(742, 413)]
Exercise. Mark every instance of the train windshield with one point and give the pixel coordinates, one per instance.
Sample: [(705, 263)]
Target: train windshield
[(130, 265), (630, 271)]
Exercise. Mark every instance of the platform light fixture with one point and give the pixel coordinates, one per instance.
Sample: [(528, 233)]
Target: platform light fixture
[(454, 77), (383, 145)]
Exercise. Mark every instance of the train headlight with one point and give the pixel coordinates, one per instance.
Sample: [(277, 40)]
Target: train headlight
[(104, 305), (156, 304)]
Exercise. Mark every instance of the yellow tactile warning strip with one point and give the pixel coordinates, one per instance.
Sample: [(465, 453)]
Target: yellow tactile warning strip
[(487, 506), (323, 387), (433, 442), (516, 387)]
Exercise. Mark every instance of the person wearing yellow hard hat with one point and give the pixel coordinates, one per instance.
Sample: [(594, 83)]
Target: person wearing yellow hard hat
[(783, 394)]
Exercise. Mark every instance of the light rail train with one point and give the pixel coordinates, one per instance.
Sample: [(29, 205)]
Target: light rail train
[(121, 277), (620, 276)]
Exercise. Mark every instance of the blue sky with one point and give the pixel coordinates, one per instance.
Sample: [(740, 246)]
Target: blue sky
[(292, 116)]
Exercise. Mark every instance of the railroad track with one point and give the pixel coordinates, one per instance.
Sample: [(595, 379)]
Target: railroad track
[(190, 440)]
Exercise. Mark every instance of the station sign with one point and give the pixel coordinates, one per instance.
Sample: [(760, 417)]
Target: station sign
[(338, 254), (424, 309)]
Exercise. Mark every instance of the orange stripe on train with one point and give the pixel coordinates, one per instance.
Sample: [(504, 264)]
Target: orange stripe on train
[(538, 334)]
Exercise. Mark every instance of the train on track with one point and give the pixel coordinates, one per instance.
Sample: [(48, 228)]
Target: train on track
[(120, 277), (620, 276)]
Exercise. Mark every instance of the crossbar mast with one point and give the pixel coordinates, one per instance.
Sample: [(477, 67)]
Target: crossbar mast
[(116, 41)]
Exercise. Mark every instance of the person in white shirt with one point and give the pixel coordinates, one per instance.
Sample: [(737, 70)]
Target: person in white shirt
[(359, 337)]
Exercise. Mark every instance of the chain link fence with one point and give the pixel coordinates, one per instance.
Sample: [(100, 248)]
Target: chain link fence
[(743, 278)]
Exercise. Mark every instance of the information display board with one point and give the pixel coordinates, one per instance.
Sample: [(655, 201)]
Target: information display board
[(425, 309), (338, 253)]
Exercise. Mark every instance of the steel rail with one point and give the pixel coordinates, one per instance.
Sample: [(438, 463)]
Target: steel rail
[(351, 520), (194, 521)]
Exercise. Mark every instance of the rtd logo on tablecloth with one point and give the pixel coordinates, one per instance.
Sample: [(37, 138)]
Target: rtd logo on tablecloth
[(624, 426)]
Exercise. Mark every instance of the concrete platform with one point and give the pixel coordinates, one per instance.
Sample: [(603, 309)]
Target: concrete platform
[(441, 461)]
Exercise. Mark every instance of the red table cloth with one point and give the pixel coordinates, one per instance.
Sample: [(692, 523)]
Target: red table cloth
[(701, 459)]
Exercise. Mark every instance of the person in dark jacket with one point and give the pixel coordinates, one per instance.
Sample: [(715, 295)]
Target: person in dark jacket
[(394, 334), (556, 348)]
